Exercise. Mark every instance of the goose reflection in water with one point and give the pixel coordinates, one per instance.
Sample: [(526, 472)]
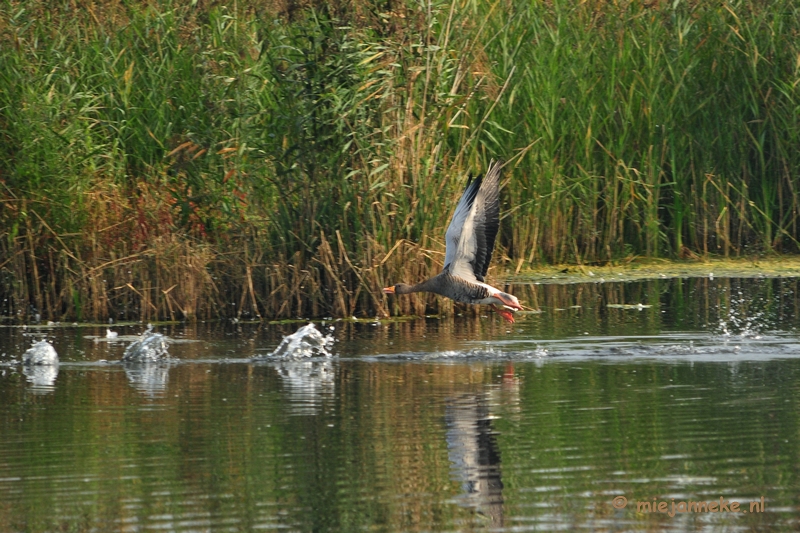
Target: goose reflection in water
[(474, 455), (472, 443)]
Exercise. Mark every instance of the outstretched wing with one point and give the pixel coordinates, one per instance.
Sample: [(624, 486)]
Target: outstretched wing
[(472, 231)]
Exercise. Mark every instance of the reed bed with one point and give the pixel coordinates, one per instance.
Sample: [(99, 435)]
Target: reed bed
[(266, 160)]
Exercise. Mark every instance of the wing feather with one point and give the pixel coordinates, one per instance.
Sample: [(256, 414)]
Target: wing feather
[(472, 232)]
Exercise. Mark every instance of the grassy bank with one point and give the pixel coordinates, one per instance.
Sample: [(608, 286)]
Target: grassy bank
[(277, 160)]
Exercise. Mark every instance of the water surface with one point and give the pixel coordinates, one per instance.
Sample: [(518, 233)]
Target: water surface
[(673, 390)]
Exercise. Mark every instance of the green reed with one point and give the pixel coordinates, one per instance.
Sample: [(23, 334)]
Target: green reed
[(175, 161), (659, 130)]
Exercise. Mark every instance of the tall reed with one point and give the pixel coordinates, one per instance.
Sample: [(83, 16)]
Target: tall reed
[(659, 129), (173, 161)]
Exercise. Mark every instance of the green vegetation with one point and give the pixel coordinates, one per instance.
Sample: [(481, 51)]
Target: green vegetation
[(177, 160)]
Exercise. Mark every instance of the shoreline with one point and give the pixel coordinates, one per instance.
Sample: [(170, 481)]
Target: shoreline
[(648, 268)]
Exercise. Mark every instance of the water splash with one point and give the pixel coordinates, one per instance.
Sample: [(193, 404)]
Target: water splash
[(538, 353), (741, 321), (151, 347), (483, 354), (41, 353), (305, 342)]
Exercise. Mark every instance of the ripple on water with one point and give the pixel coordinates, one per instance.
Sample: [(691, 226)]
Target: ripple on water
[(439, 425)]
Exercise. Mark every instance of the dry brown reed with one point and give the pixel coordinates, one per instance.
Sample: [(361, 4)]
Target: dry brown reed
[(176, 161)]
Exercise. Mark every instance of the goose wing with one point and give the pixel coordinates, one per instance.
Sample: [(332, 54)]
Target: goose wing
[(472, 231)]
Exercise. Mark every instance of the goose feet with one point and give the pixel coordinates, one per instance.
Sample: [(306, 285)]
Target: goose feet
[(507, 314)]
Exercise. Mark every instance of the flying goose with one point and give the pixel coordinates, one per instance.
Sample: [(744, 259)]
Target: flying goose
[(469, 246)]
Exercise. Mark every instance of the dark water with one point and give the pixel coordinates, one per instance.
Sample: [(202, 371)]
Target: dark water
[(428, 425)]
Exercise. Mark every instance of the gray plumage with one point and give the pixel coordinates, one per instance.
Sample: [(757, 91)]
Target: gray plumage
[(472, 231), (469, 244), (450, 286)]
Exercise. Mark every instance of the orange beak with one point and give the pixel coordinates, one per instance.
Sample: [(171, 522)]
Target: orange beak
[(388, 290), (508, 303)]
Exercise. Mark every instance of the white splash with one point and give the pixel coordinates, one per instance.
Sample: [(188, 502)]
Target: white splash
[(149, 348), (305, 342), (41, 353), (742, 321)]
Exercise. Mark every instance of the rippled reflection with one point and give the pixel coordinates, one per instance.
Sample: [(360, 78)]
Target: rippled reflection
[(433, 425), (307, 383), (475, 457), (41, 377), (150, 378)]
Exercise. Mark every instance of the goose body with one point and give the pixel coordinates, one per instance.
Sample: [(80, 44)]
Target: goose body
[(469, 245)]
